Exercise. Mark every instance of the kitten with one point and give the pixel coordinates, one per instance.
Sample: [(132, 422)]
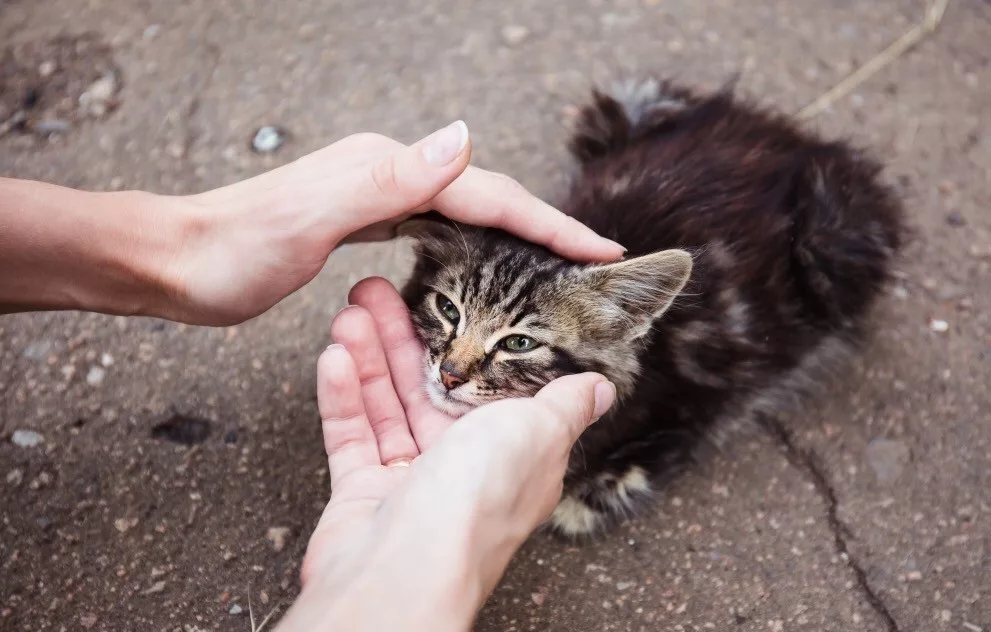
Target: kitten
[(755, 251)]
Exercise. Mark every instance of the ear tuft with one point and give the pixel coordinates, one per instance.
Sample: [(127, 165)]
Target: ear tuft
[(425, 226), (643, 287)]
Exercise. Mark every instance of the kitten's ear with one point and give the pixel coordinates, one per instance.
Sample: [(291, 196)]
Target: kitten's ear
[(643, 287), (430, 229)]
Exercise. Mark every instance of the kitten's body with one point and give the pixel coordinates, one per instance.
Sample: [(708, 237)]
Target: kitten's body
[(792, 239)]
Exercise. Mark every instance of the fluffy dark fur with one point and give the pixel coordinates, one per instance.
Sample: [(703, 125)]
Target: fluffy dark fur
[(791, 239)]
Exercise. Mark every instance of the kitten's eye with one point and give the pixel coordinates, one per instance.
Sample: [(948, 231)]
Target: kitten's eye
[(518, 344), (448, 309)]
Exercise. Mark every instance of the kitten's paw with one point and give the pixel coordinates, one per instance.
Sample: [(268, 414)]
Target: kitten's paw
[(600, 502), (572, 518)]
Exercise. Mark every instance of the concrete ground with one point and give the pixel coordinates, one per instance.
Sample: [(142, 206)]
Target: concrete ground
[(870, 513)]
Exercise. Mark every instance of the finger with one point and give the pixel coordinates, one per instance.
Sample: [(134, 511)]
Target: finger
[(404, 179), (404, 354), (354, 328), (577, 401), (485, 198), (347, 435)]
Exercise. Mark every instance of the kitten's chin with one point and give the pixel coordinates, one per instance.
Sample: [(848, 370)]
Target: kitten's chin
[(443, 402)]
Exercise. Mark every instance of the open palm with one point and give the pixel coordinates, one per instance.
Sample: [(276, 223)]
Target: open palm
[(376, 417), (377, 332)]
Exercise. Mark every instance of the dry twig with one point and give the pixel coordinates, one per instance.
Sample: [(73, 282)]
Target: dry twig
[(934, 15)]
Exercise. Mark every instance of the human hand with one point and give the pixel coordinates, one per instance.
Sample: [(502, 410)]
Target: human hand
[(424, 515), (252, 243)]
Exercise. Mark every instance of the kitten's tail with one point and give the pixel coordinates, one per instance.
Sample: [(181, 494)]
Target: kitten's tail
[(616, 117), (848, 230)]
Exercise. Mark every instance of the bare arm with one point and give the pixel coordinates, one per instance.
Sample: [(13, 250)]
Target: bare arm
[(230, 254)]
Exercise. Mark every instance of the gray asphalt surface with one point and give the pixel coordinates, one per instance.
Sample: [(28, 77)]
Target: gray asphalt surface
[(873, 515)]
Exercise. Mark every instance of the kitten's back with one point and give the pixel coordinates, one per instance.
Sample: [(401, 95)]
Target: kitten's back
[(794, 239), (663, 167)]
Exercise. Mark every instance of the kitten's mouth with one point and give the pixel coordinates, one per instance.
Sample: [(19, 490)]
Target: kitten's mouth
[(448, 401)]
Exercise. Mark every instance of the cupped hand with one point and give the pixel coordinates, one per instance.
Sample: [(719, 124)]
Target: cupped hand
[(250, 244), (424, 513)]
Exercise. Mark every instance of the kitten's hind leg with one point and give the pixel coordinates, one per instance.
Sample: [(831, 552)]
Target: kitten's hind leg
[(593, 504)]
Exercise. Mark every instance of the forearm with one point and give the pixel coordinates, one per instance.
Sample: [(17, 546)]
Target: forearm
[(107, 252), (413, 574)]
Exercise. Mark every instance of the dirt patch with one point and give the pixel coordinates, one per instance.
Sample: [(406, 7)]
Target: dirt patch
[(48, 87)]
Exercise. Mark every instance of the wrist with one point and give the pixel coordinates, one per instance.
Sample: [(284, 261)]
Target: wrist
[(104, 252), (403, 574)]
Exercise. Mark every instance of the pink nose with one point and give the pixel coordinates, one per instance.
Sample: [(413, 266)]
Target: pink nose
[(450, 377)]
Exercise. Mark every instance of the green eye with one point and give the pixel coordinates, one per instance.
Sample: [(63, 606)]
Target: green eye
[(518, 344), (448, 309)]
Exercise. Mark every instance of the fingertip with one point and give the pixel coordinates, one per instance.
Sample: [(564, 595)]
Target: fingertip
[(350, 323), (334, 365), (605, 397), (368, 289)]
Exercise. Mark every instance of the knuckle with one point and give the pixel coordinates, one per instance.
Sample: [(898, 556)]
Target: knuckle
[(367, 139), (509, 184)]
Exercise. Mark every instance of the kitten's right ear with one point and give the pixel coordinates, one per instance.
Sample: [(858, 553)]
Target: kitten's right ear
[(430, 230), (643, 287)]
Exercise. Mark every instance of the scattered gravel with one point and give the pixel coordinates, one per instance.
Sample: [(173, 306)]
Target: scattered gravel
[(235, 610)]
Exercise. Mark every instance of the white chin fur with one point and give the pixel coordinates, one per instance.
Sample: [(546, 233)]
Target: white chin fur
[(444, 403)]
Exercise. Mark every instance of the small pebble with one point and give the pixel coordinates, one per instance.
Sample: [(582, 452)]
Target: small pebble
[(51, 126), (515, 34), (887, 457), (36, 350), (95, 376), (106, 359), (15, 477), (96, 100), (156, 588), (47, 69), (939, 326), (956, 219), (26, 438), (277, 536), (538, 598), (235, 610), (268, 139), (152, 31)]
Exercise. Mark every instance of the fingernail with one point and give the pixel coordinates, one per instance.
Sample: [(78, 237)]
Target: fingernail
[(618, 245), (400, 462), (605, 395), (335, 347), (443, 146)]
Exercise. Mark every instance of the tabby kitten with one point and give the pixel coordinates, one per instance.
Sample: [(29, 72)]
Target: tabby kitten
[(755, 251)]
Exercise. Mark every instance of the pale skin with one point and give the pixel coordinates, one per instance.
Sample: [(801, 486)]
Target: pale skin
[(424, 513)]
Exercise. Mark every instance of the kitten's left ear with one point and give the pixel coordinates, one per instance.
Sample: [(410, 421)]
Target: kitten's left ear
[(643, 287), (429, 225)]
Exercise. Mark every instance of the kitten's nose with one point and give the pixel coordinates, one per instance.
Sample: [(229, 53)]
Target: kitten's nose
[(450, 377)]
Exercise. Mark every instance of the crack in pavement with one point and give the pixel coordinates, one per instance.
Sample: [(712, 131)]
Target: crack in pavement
[(807, 461)]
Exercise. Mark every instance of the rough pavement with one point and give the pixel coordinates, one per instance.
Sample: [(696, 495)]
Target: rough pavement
[(870, 512)]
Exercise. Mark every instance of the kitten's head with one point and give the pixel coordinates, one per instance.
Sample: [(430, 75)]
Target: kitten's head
[(501, 317)]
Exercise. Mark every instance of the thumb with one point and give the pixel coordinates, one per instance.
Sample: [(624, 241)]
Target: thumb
[(577, 401), (408, 177)]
